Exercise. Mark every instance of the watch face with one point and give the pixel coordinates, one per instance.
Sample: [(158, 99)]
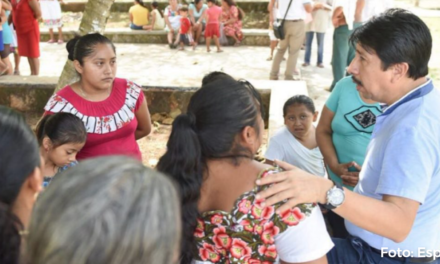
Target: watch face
[(336, 197)]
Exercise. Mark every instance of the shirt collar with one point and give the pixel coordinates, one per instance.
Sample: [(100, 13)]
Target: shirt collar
[(420, 91)]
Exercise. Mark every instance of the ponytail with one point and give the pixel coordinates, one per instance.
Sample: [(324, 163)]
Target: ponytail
[(183, 162), (155, 4), (10, 239)]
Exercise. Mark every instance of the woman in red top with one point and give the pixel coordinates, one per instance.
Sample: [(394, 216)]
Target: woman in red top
[(24, 16), (113, 110)]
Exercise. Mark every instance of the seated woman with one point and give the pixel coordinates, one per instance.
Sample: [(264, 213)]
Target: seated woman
[(138, 15), (109, 210), (157, 18), (210, 154), (196, 14), (20, 180), (343, 134), (231, 19), (113, 110)]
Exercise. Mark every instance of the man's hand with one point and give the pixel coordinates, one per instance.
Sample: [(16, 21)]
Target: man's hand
[(351, 178), (294, 185)]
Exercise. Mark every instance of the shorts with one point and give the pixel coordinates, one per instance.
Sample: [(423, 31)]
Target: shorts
[(212, 29), (133, 26), (272, 35), (6, 51), (186, 39)]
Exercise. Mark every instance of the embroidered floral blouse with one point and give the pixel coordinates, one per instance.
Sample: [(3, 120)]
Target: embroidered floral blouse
[(111, 124), (254, 234)]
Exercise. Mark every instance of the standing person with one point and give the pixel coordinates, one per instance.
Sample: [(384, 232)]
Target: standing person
[(295, 143), (138, 15), (7, 37), (273, 10), (294, 32), (347, 15), (185, 30), (395, 207), (197, 15), (25, 14), (124, 213), (157, 19), (212, 146), (213, 16), (20, 182), (343, 134), (51, 14), (114, 110), (319, 25), (231, 19), (172, 21)]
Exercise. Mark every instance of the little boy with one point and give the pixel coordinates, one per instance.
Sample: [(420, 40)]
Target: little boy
[(185, 29), (213, 15)]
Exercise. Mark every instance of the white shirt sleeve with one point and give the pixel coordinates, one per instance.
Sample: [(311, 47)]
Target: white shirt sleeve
[(307, 241), (274, 151)]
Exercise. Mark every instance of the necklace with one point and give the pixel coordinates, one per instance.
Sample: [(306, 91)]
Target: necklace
[(84, 95)]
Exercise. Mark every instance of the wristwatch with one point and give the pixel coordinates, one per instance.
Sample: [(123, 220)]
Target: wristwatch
[(335, 197)]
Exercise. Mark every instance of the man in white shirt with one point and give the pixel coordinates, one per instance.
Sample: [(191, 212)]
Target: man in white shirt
[(294, 33)]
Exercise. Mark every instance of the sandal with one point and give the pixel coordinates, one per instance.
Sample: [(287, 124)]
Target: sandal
[(60, 41), (51, 41)]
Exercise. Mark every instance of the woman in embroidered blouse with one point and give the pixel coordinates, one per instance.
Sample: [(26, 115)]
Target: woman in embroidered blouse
[(231, 19), (210, 154), (113, 110)]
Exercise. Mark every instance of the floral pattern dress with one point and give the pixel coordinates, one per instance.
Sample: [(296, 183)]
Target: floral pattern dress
[(247, 234), (232, 28)]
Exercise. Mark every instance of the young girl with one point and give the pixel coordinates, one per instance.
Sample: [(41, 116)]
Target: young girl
[(114, 110), (139, 15), (60, 136), (213, 15), (295, 143), (51, 14), (157, 18), (210, 154)]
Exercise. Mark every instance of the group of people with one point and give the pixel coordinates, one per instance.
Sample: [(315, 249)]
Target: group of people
[(20, 32), (303, 19), (210, 201), (186, 24)]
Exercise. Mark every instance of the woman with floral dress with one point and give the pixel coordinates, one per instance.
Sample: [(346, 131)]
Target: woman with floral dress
[(114, 110), (231, 19), (210, 154)]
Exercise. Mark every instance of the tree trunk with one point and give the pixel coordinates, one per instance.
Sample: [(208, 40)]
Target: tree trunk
[(94, 19)]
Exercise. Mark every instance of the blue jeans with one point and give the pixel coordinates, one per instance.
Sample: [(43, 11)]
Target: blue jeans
[(309, 41), (135, 27), (354, 250)]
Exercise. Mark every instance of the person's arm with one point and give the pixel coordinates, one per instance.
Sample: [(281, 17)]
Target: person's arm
[(144, 121), (191, 15), (234, 15), (337, 16), (394, 221), (201, 17), (308, 7), (325, 143), (6, 5), (35, 6), (2, 16), (131, 17)]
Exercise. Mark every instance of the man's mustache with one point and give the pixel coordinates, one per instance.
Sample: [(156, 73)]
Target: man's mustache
[(356, 81)]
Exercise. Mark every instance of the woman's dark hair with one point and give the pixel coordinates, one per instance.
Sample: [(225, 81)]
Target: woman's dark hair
[(140, 2), (299, 99), (61, 128), (217, 112), (81, 47), (397, 36), (215, 75), (19, 156), (155, 4)]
